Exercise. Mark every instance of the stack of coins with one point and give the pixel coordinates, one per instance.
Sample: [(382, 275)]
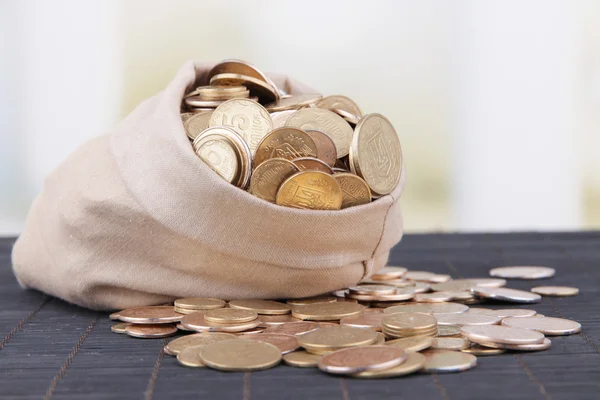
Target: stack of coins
[(401, 325), (302, 151)]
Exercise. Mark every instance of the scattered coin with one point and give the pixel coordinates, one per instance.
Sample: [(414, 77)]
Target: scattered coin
[(423, 276), (388, 273), (505, 294), (368, 321), (479, 350), (198, 303), (449, 343), (114, 316), (548, 326), (150, 315), (312, 300), (267, 307), (501, 334), (412, 343), (429, 308), (197, 322), (467, 319), (335, 338), (359, 359), (523, 272), (448, 361), (121, 327), (448, 330), (190, 357), (544, 345), (150, 331), (293, 328), (285, 343), (175, 346), (240, 355), (230, 315), (414, 362), (435, 297), (372, 289), (558, 291), (302, 359), (274, 320), (327, 311)]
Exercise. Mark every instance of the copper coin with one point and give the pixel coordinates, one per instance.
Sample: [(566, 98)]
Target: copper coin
[(190, 357), (545, 345), (149, 331), (401, 294), (411, 344), (327, 311), (372, 289), (359, 359), (525, 272), (429, 308), (114, 316), (312, 164), (313, 190), (414, 362), (302, 359), (355, 190), (409, 321), (150, 315), (268, 177), (285, 343), (501, 334), (326, 150), (274, 320), (286, 142), (505, 294), (253, 331), (293, 328), (548, 326), (336, 337)]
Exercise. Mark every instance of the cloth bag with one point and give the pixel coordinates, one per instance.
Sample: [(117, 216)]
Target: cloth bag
[(135, 218)]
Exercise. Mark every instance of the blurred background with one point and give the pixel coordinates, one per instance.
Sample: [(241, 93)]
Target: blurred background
[(497, 104)]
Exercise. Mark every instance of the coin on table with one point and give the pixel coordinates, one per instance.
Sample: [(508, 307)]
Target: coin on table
[(449, 343), (286, 142), (454, 285), (120, 328), (335, 338), (230, 315), (414, 362), (268, 307), (448, 330), (311, 190), (263, 90), (435, 297), (487, 282), (358, 359), (274, 320), (412, 321), (514, 312), (448, 361), (429, 308), (456, 295), (548, 326), (372, 289), (268, 177), (389, 273), (327, 122), (421, 276), (401, 294), (199, 303), (302, 359), (501, 334), (183, 328), (355, 190), (544, 345), (196, 322), (311, 300), (505, 294), (367, 321), (326, 150), (349, 117), (285, 343), (440, 278), (479, 350), (523, 272), (150, 315), (240, 355), (293, 328), (294, 102), (467, 319), (190, 357), (312, 164), (558, 291), (327, 311), (375, 153), (150, 331), (412, 343), (341, 103), (175, 346), (197, 123)]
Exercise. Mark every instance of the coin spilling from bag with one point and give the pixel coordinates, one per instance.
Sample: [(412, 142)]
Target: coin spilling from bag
[(392, 334), (303, 151)]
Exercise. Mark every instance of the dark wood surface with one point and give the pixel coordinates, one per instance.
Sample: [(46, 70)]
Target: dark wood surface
[(52, 349)]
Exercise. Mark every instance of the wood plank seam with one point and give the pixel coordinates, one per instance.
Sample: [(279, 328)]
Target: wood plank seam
[(152, 382), (246, 388), (344, 389), (532, 377), (440, 386), (19, 327)]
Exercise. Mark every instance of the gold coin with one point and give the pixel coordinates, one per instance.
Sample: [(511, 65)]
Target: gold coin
[(222, 92), (267, 307), (247, 118), (327, 122), (336, 337), (449, 343), (114, 316), (409, 321), (506, 294), (465, 319), (312, 190), (435, 297), (285, 343), (175, 346), (327, 311), (559, 291), (199, 102), (479, 350), (523, 272), (501, 334), (375, 153), (294, 102), (549, 326), (274, 320), (288, 143), (186, 310), (389, 273), (241, 67), (448, 330), (279, 118), (220, 154), (341, 103), (412, 343), (326, 150), (190, 357), (355, 190), (544, 345), (359, 359), (150, 315), (429, 308), (312, 164), (230, 316), (293, 328), (311, 300), (268, 177), (301, 359), (183, 328), (368, 321), (150, 331), (349, 117), (414, 362), (199, 303), (120, 327), (196, 322), (240, 355), (372, 289), (265, 92), (448, 361)]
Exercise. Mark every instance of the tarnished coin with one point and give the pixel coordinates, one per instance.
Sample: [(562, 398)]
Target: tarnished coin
[(120, 328), (355, 190), (312, 164), (414, 362), (285, 343), (368, 321), (288, 143), (274, 320), (240, 355), (327, 122), (479, 350), (448, 330), (467, 319), (327, 311), (526, 272), (175, 346), (326, 150), (268, 307), (341, 103), (375, 153), (312, 190), (263, 90), (190, 357), (150, 331), (230, 315), (435, 297), (268, 177), (548, 326), (294, 102), (293, 328), (358, 359), (409, 321), (412, 343), (544, 345), (279, 118), (199, 303), (558, 291), (312, 300), (335, 338), (448, 361), (372, 289), (505, 294), (196, 322), (197, 123), (150, 315), (429, 308), (246, 117), (389, 273), (449, 343), (501, 334), (302, 359)]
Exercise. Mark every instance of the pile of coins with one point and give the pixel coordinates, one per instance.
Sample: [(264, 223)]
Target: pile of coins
[(303, 151), (391, 332)]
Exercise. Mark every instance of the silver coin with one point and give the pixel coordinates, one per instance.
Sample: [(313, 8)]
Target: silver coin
[(505, 294), (501, 334), (523, 272), (548, 326)]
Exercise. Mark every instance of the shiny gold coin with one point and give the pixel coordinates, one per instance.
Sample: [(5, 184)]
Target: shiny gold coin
[(114, 316), (402, 294), (549, 326), (372, 289), (501, 334), (411, 344), (199, 303), (302, 359), (199, 102), (285, 343), (312, 164), (293, 328), (389, 273), (279, 118), (268, 177), (335, 338), (558, 291), (268, 307), (327, 122), (120, 328), (312, 190), (230, 316), (240, 355), (367, 321), (190, 357), (523, 272), (429, 308), (448, 343), (375, 153), (355, 190), (288, 143), (326, 150), (327, 311), (150, 331), (312, 300), (176, 346), (544, 345), (196, 322), (479, 350), (409, 321), (448, 361), (350, 118), (341, 103), (414, 362), (240, 67), (265, 92), (294, 102), (150, 315), (448, 330), (359, 359), (465, 319), (506, 294), (274, 320)]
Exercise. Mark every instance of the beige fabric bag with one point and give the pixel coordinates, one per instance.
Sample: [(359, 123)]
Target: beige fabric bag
[(134, 218)]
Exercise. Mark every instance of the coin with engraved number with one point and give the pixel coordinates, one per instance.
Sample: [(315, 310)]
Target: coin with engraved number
[(506, 294), (268, 177), (220, 154), (341, 103), (268, 307), (358, 359), (414, 362), (302, 359), (355, 190), (448, 361), (548, 326), (288, 143), (557, 291), (150, 315), (175, 346), (150, 331), (326, 150), (501, 334), (312, 190), (285, 343), (240, 355), (523, 272), (312, 164)]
